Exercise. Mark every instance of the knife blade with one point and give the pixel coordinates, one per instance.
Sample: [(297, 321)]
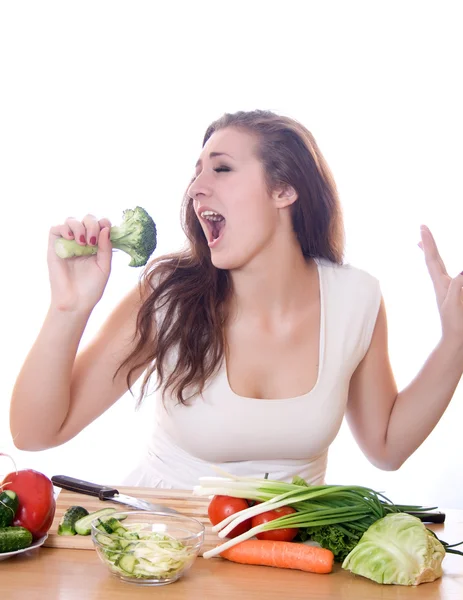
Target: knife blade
[(107, 493)]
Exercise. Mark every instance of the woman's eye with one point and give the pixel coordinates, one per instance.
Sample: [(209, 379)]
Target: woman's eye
[(222, 169)]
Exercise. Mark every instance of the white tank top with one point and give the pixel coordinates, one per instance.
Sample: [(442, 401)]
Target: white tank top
[(251, 437)]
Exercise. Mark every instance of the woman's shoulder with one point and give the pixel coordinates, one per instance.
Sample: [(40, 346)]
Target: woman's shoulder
[(345, 272)]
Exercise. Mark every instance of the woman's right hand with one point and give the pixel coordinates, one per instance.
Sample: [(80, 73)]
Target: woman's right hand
[(77, 284)]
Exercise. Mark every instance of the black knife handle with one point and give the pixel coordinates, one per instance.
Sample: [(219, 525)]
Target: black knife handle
[(429, 517), (84, 487)]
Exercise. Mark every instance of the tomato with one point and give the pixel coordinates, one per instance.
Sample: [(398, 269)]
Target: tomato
[(37, 503), (221, 507), (278, 535)]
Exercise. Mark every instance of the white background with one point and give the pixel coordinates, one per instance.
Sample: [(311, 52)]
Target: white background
[(103, 106)]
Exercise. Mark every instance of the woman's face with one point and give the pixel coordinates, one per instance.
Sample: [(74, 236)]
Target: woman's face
[(231, 199)]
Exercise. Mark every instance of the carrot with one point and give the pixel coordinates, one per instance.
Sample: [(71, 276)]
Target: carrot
[(286, 555)]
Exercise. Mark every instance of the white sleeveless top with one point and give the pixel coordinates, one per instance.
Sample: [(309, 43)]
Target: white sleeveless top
[(251, 437)]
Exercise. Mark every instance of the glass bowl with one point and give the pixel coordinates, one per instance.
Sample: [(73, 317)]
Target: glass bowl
[(148, 548)]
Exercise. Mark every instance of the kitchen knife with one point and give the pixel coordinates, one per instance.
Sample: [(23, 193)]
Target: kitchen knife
[(106, 493)]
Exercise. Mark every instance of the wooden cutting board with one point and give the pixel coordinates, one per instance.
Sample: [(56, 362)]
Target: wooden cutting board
[(182, 500)]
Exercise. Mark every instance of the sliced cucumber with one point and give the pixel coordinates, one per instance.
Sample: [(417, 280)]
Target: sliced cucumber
[(127, 545), (130, 535), (108, 542), (69, 519), (102, 526), (9, 504), (111, 525), (112, 555), (127, 562), (84, 525)]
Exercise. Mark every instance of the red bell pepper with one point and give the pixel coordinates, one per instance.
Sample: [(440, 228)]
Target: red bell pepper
[(37, 503)]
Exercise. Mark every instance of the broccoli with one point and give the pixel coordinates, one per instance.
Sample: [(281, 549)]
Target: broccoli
[(136, 235)]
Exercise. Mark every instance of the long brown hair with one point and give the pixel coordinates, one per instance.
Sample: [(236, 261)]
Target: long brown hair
[(182, 320)]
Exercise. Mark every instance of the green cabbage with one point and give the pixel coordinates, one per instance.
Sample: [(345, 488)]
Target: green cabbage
[(397, 549)]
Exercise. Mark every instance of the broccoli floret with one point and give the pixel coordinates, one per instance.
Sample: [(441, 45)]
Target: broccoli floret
[(136, 236)]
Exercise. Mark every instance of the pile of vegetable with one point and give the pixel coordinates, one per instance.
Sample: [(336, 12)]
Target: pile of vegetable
[(340, 519), (136, 236), (27, 508)]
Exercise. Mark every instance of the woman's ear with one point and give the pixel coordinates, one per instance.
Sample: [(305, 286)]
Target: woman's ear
[(284, 195)]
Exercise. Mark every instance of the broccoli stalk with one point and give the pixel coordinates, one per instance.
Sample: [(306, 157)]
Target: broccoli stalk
[(136, 236)]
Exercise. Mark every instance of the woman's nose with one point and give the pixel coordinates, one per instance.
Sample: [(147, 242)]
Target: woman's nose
[(199, 186)]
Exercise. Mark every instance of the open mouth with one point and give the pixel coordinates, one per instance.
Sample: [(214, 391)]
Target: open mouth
[(215, 224)]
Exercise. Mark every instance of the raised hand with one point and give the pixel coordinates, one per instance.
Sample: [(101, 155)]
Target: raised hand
[(449, 292), (78, 283)]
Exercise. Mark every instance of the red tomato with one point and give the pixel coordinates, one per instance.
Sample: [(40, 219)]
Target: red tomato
[(37, 503), (221, 507), (278, 535)]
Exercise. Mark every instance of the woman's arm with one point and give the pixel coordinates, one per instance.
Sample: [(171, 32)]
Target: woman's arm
[(390, 426), (56, 393)]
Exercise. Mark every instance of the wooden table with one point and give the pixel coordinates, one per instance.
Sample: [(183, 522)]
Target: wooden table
[(65, 574)]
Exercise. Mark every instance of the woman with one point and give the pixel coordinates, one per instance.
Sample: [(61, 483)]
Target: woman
[(261, 339)]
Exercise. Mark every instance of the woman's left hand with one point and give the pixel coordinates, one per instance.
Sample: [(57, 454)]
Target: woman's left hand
[(449, 292)]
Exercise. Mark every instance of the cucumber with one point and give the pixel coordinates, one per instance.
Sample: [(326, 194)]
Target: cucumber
[(69, 519), (130, 535), (84, 525), (103, 526), (112, 555), (127, 563), (127, 546), (14, 538), (111, 525), (8, 506), (108, 542)]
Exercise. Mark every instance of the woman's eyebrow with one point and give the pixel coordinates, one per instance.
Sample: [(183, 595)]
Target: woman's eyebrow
[(214, 155)]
